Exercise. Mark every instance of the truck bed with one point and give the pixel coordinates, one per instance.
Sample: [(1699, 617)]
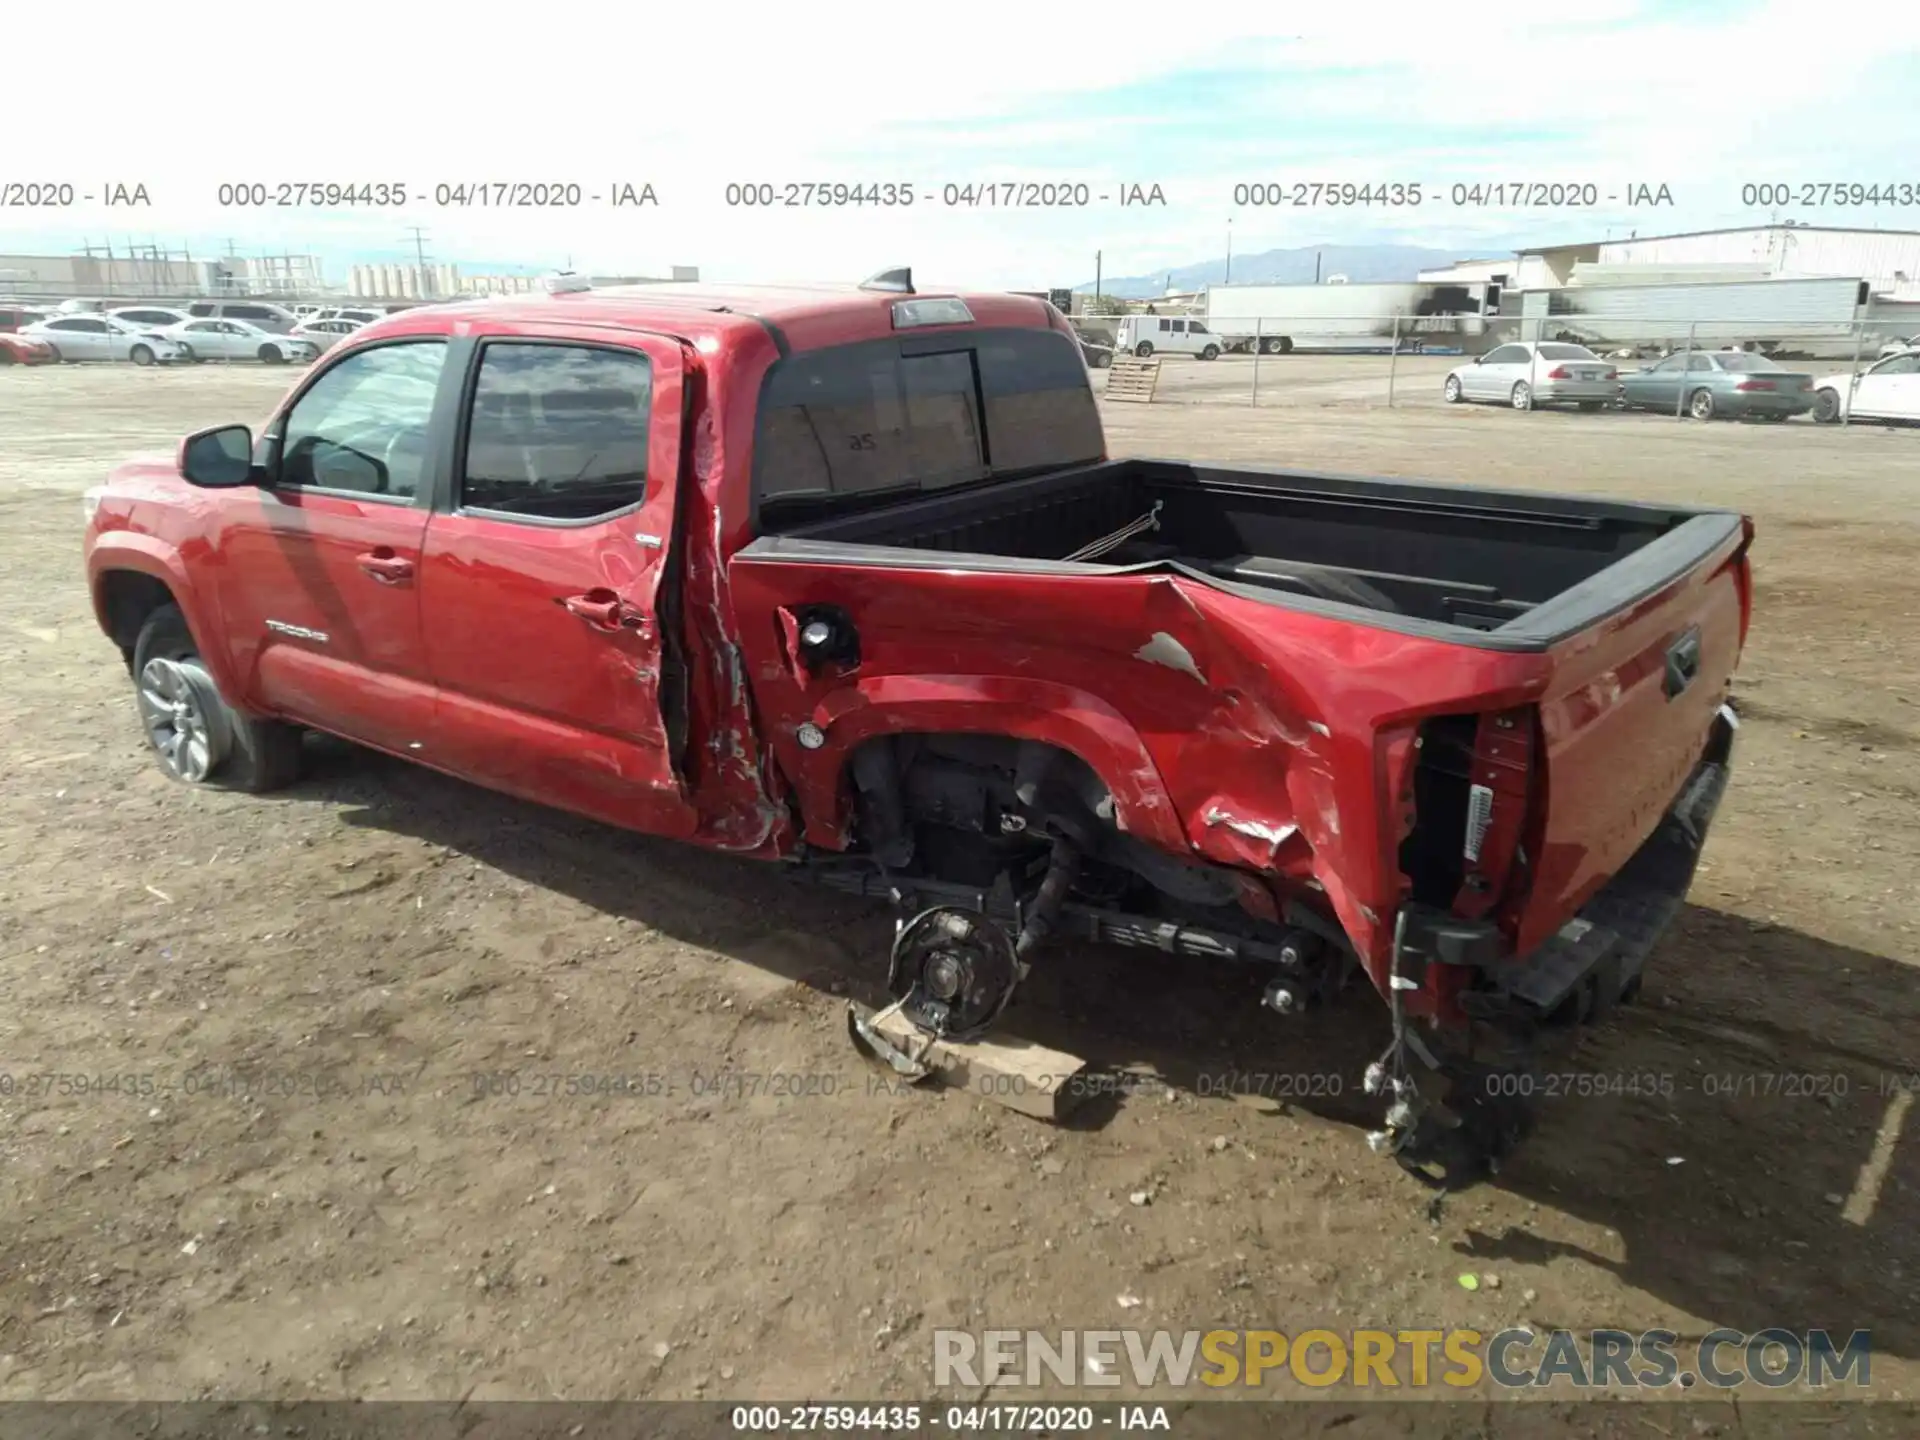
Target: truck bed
[(1505, 569)]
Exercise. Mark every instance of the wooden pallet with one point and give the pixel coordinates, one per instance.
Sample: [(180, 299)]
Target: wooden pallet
[(1133, 379)]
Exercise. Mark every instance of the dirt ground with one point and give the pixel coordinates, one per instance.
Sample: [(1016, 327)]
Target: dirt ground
[(303, 1190)]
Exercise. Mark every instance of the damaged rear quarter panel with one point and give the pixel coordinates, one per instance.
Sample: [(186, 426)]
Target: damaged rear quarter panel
[(1248, 733)]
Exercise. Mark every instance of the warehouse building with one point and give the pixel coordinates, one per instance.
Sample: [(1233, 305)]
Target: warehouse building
[(1888, 260)]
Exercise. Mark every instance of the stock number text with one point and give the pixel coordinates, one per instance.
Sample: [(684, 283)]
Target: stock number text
[(1849, 193)]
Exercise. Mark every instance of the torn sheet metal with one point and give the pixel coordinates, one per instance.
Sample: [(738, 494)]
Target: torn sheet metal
[(864, 1031), (1163, 649)]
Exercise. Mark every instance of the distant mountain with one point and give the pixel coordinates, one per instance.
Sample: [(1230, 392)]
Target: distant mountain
[(1361, 264)]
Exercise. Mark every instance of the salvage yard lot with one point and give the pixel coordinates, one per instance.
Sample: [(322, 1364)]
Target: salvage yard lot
[(332, 1160)]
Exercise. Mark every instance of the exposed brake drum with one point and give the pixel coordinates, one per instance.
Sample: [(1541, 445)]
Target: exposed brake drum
[(952, 971)]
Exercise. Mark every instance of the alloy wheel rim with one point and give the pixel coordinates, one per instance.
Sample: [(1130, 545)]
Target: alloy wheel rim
[(174, 709)]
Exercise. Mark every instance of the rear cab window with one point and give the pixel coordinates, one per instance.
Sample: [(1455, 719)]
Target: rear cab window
[(908, 414), (556, 432)]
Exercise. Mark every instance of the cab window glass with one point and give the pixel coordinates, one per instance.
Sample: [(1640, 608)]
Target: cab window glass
[(558, 432), (362, 426)]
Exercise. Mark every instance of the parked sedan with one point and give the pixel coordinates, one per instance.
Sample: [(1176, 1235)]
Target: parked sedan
[(149, 317), (1899, 347), (100, 337), (1888, 390), (326, 333), (1719, 383), (1529, 375), (238, 340), (25, 350)]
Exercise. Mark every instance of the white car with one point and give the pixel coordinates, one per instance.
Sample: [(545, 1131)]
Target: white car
[(359, 314), (1899, 347), (100, 337), (1528, 375), (327, 333), (1888, 389), (149, 317), (237, 340)]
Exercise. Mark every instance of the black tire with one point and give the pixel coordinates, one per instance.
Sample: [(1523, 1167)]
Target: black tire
[(58, 358), (141, 355), (1700, 404), (1826, 407), (1273, 345), (6, 357), (1212, 352), (1102, 362), (1451, 391), (1589, 407), (270, 355), (1143, 349), (257, 755), (1522, 396)]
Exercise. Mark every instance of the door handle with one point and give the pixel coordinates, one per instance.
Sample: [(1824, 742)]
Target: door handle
[(604, 610), (385, 566), (1683, 662)]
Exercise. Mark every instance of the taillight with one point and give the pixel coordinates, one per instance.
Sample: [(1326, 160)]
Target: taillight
[(1756, 385), (1612, 375), (1559, 372)]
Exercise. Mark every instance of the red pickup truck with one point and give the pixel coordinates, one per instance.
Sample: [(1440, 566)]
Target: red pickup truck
[(844, 578)]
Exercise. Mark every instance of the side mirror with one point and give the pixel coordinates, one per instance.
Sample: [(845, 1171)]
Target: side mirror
[(218, 459)]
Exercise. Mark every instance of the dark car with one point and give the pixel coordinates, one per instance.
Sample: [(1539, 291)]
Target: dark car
[(1719, 383), (1097, 356)]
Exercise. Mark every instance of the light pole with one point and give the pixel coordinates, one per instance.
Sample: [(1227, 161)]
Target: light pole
[(1229, 279)]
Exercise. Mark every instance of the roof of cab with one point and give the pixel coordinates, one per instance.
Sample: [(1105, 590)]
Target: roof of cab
[(804, 316)]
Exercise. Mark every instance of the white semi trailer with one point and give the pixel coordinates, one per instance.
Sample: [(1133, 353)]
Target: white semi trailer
[(1828, 317), (1278, 319)]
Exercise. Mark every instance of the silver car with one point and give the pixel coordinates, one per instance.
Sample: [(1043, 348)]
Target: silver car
[(327, 333), (1528, 375), (100, 337), (237, 340)]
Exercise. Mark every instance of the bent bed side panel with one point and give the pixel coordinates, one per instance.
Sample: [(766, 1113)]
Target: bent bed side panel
[(1224, 729)]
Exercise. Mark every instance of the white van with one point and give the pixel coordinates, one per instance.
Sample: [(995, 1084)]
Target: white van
[(1167, 335)]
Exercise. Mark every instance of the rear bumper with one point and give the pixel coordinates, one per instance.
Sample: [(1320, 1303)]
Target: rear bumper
[(1614, 933), (1568, 392), (1794, 403)]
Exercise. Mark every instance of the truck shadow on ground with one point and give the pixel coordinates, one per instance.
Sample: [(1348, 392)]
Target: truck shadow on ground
[(1764, 1060)]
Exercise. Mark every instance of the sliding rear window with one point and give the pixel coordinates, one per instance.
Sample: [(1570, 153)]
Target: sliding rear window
[(923, 413)]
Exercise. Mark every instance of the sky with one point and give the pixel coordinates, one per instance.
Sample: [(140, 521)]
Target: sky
[(1700, 97)]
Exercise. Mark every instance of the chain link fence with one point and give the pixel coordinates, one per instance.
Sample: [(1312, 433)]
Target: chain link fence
[(1763, 366)]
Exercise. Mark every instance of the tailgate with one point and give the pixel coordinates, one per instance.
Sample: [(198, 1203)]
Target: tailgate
[(1628, 710)]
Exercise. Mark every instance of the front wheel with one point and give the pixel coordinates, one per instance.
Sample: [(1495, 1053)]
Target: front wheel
[(270, 355), (1522, 397), (57, 356), (1700, 405), (141, 355), (1451, 391), (197, 737), (1143, 349), (1826, 407), (1212, 352)]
